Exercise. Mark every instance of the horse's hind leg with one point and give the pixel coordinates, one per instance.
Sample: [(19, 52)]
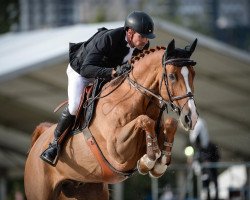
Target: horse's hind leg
[(167, 135), (84, 191)]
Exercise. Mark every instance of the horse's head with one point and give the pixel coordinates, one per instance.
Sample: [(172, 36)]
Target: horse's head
[(178, 75), (170, 70)]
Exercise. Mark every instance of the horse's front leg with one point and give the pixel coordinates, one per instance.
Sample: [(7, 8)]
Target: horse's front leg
[(169, 130), (147, 162)]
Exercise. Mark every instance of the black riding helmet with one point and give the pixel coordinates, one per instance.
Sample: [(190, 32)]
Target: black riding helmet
[(141, 23)]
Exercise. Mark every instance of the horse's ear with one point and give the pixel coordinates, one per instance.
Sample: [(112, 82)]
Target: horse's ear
[(171, 47), (193, 46)]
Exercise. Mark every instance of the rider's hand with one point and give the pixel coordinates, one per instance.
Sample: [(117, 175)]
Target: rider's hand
[(121, 69)]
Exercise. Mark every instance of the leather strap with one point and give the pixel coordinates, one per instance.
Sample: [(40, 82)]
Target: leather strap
[(60, 105), (109, 173)]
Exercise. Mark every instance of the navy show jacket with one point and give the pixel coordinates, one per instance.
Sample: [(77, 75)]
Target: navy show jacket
[(96, 57)]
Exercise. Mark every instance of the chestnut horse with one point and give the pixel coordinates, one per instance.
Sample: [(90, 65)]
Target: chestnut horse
[(127, 132)]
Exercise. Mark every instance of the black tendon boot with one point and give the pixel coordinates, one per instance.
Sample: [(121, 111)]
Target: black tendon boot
[(50, 155)]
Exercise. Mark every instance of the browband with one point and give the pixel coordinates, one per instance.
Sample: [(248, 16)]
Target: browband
[(179, 62)]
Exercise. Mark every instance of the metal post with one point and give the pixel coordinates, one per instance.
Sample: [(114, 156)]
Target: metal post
[(248, 183), (118, 191), (154, 188), (3, 191), (182, 183), (199, 184)]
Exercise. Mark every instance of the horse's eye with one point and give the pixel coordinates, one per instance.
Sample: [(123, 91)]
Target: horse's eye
[(171, 77)]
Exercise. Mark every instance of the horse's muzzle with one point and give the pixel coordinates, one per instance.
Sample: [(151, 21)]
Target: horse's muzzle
[(189, 115)]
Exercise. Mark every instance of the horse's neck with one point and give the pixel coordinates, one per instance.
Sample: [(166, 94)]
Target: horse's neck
[(147, 73), (146, 70)]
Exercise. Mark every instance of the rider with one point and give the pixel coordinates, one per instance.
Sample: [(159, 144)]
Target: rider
[(104, 55)]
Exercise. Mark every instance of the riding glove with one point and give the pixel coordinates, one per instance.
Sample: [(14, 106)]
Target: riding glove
[(121, 69)]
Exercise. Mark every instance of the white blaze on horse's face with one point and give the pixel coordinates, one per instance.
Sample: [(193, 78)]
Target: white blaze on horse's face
[(189, 114)]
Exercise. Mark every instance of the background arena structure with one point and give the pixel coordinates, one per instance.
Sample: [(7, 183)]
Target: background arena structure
[(33, 82)]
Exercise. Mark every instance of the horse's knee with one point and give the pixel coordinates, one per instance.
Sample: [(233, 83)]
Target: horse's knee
[(170, 123), (144, 119), (146, 123)]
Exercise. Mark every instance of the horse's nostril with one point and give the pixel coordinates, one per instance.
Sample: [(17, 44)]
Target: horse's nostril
[(187, 119)]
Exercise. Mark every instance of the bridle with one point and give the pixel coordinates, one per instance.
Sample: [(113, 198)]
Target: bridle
[(179, 62)]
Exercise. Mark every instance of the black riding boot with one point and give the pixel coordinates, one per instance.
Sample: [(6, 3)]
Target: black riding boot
[(50, 155)]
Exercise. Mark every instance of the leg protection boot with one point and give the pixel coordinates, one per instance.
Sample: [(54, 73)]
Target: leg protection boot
[(50, 155)]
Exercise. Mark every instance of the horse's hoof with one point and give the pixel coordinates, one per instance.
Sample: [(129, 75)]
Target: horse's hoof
[(158, 155), (144, 165), (158, 171), (141, 169), (159, 168)]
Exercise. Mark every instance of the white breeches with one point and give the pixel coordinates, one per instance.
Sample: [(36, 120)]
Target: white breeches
[(76, 85)]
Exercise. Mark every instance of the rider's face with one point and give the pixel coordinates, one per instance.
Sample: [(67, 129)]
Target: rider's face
[(136, 40)]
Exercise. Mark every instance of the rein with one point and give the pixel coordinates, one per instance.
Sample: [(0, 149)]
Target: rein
[(144, 90)]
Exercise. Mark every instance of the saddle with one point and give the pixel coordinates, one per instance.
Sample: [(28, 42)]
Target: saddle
[(87, 105), (86, 108)]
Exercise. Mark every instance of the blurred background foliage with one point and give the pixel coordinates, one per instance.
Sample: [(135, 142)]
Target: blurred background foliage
[(227, 21)]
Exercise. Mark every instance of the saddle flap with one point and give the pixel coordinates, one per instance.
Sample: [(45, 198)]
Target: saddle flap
[(87, 104)]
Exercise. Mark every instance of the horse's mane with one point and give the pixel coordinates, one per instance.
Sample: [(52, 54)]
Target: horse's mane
[(145, 52), (136, 58)]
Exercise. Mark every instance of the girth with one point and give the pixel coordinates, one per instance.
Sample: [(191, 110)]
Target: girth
[(109, 173)]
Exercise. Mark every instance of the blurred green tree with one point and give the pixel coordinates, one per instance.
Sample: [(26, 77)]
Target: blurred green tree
[(9, 15)]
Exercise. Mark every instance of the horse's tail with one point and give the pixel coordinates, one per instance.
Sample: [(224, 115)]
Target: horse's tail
[(41, 128)]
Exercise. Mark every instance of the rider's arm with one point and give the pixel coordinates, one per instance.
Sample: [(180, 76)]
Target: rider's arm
[(92, 66)]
